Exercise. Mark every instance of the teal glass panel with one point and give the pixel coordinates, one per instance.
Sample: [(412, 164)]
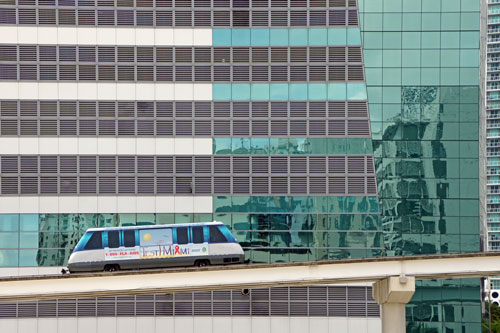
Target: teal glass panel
[(260, 91), (49, 257), (48, 222), (337, 36), (353, 36), (126, 220), (298, 91), (28, 240), (260, 145), (107, 220), (240, 37), (165, 218), (298, 36), (221, 37), (27, 258), (86, 221), (241, 204), (9, 258), (241, 146), (9, 240), (28, 222), (68, 240), (222, 204), (221, 91), (337, 146), (356, 91), (69, 222), (318, 36), (337, 91), (9, 222), (279, 146), (183, 218), (145, 219), (259, 37), (278, 37), (240, 92), (317, 91), (279, 91), (222, 146), (318, 146)]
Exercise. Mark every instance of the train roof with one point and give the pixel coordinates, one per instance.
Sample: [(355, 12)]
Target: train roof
[(157, 226)]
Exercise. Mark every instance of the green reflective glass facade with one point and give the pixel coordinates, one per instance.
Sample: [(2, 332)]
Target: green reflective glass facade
[(422, 72)]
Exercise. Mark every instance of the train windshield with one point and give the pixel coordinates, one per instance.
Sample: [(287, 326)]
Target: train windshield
[(216, 235), (95, 241)]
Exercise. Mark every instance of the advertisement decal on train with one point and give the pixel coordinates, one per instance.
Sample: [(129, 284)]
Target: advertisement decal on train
[(156, 243)]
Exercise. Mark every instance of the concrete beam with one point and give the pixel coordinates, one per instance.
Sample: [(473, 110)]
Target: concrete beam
[(393, 294), (249, 276)]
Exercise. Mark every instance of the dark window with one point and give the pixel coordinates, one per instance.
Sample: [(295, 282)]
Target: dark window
[(182, 236), (129, 238), (113, 239), (197, 235), (95, 241), (216, 235)]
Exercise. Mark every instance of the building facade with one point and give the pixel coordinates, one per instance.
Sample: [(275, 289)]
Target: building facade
[(422, 61), (492, 111), (313, 129)]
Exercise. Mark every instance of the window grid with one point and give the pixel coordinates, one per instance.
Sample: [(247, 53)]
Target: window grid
[(331, 301), (199, 175), (167, 118), (180, 64)]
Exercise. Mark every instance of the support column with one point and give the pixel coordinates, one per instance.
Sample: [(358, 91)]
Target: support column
[(392, 294)]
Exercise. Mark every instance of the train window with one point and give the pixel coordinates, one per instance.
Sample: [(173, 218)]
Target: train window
[(113, 239), (129, 238), (95, 241), (216, 235), (182, 236), (197, 235)]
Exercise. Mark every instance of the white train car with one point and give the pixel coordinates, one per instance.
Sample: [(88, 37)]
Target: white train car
[(154, 246)]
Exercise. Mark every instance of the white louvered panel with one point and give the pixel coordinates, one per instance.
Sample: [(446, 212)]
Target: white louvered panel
[(260, 164), (164, 185), (203, 185), (317, 164), (241, 164), (371, 185), (222, 185), (298, 185), (298, 164), (203, 164), (356, 185), (183, 185), (317, 185), (279, 164), (317, 127), (241, 127), (336, 164), (355, 164), (145, 185), (336, 185), (355, 73), (242, 109), (222, 164), (260, 185), (279, 185), (336, 127), (358, 127), (241, 185)]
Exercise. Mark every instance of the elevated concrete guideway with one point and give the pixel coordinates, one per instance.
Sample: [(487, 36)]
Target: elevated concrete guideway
[(249, 276), (393, 277)]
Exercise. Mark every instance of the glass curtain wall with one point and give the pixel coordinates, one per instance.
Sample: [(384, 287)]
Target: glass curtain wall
[(422, 71)]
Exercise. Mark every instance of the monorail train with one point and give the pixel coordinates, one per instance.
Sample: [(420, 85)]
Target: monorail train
[(155, 246)]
